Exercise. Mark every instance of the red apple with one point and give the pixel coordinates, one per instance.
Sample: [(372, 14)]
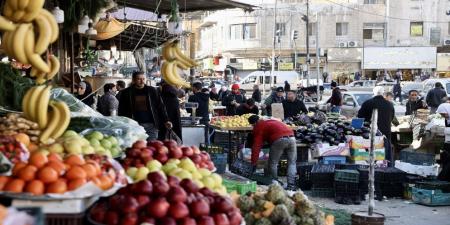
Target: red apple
[(145, 219), (189, 186), (129, 204), (166, 221), (173, 181), (221, 219), (115, 201), (112, 218), (139, 144), (187, 221), (175, 153), (158, 208), (196, 149), (133, 152), (199, 207), (155, 176), (143, 200), (155, 144), (162, 150), (204, 156), (178, 210), (137, 161), (235, 217), (98, 212), (222, 204), (187, 151), (160, 188), (196, 158), (129, 219), (143, 187), (176, 194), (146, 155), (206, 191), (127, 162), (170, 143), (161, 157), (205, 220)]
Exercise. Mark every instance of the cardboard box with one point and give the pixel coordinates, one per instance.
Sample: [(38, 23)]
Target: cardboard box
[(358, 142), (325, 149), (363, 154)]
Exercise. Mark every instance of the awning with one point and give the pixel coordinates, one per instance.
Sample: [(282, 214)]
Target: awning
[(185, 5)]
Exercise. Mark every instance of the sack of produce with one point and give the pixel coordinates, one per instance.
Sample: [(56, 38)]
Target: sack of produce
[(77, 107)]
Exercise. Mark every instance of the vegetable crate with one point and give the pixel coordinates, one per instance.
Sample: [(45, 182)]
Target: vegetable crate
[(348, 166), (239, 187), (417, 158), (322, 176), (347, 193), (242, 168), (351, 176), (433, 185), (328, 160), (430, 197), (220, 162), (389, 175), (212, 149), (389, 190), (304, 175), (323, 192)]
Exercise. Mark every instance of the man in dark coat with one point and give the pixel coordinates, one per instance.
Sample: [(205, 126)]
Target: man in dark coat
[(248, 108), (276, 97), (336, 98), (435, 97), (287, 86), (256, 93), (386, 114), (202, 98), (233, 100), (143, 104), (397, 89), (170, 96), (414, 103), (292, 106)]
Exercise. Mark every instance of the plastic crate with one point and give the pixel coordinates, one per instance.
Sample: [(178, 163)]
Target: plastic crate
[(322, 176), (242, 168), (430, 197), (357, 123), (444, 186), (389, 175), (64, 219), (351, 176), (304, 176), (323, 192), (348, 166), (347, 188), (220, 162), (36, 213), (240, 187), (417, 158), (212, 149), (389, 190), (328, 160), (229, 185)]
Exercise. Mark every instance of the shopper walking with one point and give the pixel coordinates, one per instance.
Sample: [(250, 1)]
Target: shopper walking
[(287, 86), (293, 106), (397, 89), (256, 93), (414, 103), (233, 100), (248, 107), (435, 97), (202, 98), (281, 139), (108, 104), (276, 97), (170, 96), (336, 98), (143, 103), (84, 93)]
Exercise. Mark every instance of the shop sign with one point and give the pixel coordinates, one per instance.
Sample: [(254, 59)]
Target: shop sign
[(443, 62), (400, 58), (286, 66), (250, 65), (302, 60), (344, 54)]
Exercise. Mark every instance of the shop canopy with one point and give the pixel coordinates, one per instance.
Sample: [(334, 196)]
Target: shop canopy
[(185, 5)]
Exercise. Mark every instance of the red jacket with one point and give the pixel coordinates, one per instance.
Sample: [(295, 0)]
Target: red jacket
[(270, 131)]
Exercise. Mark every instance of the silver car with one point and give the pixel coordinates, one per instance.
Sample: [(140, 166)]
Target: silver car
[(353, 101)]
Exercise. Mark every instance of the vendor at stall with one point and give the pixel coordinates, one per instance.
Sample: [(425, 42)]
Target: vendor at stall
[(444, 110), (414, 103), (276, 97), (281, 139), (202, 98), (248, 107), (233, 100), (293, 106)]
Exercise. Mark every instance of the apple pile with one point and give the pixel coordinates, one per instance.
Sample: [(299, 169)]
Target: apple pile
[(142, 152), (165, 201)]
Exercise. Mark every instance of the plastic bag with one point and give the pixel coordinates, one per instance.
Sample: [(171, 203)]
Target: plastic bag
[(77, 107), (170, 135)]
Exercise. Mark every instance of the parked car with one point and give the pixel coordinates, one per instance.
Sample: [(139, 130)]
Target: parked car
[(387, 85), (353, 101), (360, 85), (261, 77)]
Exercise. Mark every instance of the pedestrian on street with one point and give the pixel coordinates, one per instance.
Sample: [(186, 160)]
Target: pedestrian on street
[(293, 106), (202, 98), (287, 86), (170, 96), (414, 103), (223, 93), (233, 100), (435, 97), (108, 104), (248, 107), (397, 89), (386, 113), (281, 139), (276, 97), (256, 93), (144, 104), (84, 93), (357, 76), (120, 86), (390, 97), (336, 99)]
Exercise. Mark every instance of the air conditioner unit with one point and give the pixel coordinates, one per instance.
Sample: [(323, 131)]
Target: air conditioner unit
[(352, 44), (447, 42), (342, 44), (233, 60)]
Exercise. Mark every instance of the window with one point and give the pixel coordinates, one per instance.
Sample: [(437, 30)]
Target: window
[(348, 100), (243, 31), (373, 31), (341, 29), (312, 29), (236, 31), (374, 1), (250, 31), (416, 29), (250, 80), (281, 28)]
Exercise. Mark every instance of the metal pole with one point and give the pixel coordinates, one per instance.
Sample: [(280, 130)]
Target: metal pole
[(307, 42), (274, 44), (72, 63), (373, 131), (362, 63), (317, 58), (295, 56), (386, 30)]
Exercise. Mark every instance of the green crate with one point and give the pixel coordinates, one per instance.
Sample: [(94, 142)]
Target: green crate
[(351, 176), (323, 192), (430, 197), (229, 185), (239, 187)]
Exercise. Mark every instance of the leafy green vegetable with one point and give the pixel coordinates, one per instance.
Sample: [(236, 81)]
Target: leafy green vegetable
[(13, 87)]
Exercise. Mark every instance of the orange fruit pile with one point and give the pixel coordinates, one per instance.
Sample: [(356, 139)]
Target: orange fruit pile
[(51, 174)]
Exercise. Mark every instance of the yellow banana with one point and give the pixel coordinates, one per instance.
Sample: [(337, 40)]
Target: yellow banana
[(34, 72), (18, 42), (63, 121), (33, 101), (170, 74), (33, 9), (8, 11), (182, 65), (54, 65), (53, 24), (22, 4), (13, 4), (42, 107), (6, 24), (42, 77), (182, 82), (55, 119), (39, 63), (180, 55), (25, 101), (168, 53), (18, 15), (45, 34), (29, 44)]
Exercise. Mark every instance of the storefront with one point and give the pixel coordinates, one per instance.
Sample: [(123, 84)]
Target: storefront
[(343, 63), (443, 65), (413, 62)]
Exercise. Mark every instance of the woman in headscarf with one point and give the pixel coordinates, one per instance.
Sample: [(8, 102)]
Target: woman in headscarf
[(85, 93)]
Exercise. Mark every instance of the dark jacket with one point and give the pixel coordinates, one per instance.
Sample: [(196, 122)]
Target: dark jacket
[(202, 99), (107, 104), (336, 97), (231, 109), (87, 98), (386, 113), (273, 98), (293, 108), (170, 95), (126, 104), (435, 96), (412, 107), (245, 109), (397, 88), (256, 95), (287, 86)]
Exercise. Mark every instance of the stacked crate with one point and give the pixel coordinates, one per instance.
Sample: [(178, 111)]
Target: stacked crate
[(322, 179), (346, 187)]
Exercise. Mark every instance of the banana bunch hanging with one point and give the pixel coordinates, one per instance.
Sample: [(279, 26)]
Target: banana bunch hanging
[(175, 59), (29, 30)]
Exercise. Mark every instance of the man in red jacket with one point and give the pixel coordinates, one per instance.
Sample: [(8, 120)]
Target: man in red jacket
[(281, 139)]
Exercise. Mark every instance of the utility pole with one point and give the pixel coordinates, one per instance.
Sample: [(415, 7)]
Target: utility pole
[(274, 44), (317, 58), (307, 42)]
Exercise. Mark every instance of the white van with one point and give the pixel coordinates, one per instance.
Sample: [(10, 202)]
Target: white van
[(261, 77)]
